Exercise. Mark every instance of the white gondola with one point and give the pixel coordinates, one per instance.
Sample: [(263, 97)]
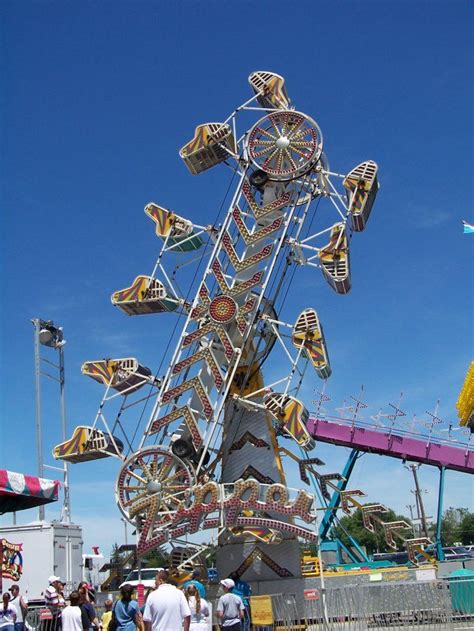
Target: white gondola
[(212, 144), (270, 89), (145, 295), (334, 260), (123, 375), (361, 188), (308, 333), (291, 416), (87, 444)]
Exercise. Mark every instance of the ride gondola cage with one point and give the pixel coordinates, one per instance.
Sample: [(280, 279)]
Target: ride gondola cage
[(87, 443), (123, 375), (270, 89), (335, 261), (177, 231), (361, 186), (145, 295), (212, 144)]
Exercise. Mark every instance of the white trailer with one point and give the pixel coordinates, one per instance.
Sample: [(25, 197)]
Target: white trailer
[(47, 548)]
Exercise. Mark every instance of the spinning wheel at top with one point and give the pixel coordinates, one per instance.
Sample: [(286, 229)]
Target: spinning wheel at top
[(285, 145), (153, 479)]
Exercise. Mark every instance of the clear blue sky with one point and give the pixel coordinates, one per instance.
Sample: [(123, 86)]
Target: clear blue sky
[(97, 98)]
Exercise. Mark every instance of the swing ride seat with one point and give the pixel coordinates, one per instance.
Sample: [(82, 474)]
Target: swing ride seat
[(291, 416), (145, 295), (123, 375), (334, 260), (87, 444), (212, 144), (178, 231), (270, 90), (361, 189), (308, 333)]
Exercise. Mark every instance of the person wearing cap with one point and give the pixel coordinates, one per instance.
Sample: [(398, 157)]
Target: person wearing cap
[(195, 576), (51, 599), (230, 608), (243, 589), (51, 595), (21, 606)]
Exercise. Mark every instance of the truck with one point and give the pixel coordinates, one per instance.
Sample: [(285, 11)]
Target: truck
[(41, 549)]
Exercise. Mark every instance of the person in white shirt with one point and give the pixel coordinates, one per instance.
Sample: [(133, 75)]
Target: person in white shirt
[(199, 609), (73, 618), (166, 608), (20, 604), (7, 614)]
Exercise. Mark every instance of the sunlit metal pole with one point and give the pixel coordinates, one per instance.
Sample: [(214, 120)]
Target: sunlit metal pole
[(39, 429), (126, 533), (410, 508), (67, 499)]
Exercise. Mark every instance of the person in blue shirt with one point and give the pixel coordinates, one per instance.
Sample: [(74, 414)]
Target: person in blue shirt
[(126, 611), (243, 589), (196, 575)]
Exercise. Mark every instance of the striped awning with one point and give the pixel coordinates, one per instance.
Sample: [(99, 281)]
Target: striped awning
[(19, 491)]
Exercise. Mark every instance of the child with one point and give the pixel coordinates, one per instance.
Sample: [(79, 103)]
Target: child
[(107, 615)]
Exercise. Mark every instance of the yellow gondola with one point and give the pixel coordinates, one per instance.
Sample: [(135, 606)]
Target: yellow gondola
[(291, 416), (124, 375), (87, 444), (362, 186), (178, 231), (145, 295), (308, 333), (334, 259), (270, 88), (212, 144)]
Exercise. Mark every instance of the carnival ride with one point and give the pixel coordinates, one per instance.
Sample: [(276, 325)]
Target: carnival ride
[(209, 455), (423, 445)]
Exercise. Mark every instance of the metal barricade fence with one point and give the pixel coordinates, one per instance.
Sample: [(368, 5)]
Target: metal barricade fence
[(42, 618), (430, 606), (395, 606)]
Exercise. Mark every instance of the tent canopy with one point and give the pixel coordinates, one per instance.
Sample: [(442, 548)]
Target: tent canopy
[(19, 492)]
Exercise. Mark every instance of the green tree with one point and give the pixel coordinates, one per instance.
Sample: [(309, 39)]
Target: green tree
[(466, 529), (210, 556), (451, 525), (115, 555), (155, 558), (373, 541)]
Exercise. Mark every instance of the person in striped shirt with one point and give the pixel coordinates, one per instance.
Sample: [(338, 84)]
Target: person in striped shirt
[(52, 601), (51, 595)]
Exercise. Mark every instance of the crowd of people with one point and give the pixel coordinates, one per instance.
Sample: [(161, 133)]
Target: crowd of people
[(166, 607)]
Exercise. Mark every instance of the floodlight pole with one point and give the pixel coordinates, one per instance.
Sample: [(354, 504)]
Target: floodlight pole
[(39, 429), (56, 344)]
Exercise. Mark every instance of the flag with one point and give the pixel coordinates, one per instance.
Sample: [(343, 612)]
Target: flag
[(468, 227)]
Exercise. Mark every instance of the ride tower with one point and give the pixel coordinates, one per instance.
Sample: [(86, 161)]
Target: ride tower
[(209, 456)]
